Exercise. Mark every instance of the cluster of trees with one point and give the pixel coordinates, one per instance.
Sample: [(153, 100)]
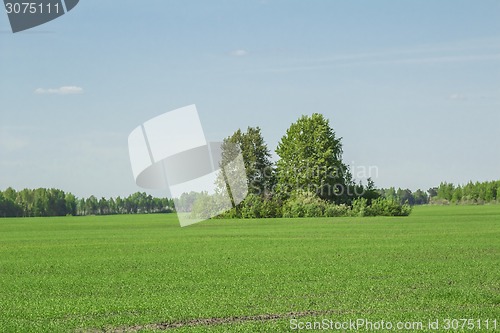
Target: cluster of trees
[(309, 179), (54, 202), (470, 193), (446, 193), (39, 202), (405, 196)]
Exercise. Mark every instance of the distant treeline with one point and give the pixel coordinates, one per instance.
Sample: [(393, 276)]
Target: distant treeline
[(446, 193), (54, 202), (405, 196), (471, 193)]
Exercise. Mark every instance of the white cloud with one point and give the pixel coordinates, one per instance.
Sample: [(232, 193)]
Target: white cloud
[(457, 97), (239, 53), (64, 90)]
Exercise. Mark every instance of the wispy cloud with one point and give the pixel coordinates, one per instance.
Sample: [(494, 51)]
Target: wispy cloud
[(447, 59), (239, 53), (352, 61), (64, 90), (464, 52), (457, 97)]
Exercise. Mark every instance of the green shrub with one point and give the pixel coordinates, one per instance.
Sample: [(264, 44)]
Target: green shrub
[(209, 205), (406, 210), (304, 204), (333, 210), (387, 207), (272, 207), (252, 207), (359, 207), (233, 213), (255, 206)]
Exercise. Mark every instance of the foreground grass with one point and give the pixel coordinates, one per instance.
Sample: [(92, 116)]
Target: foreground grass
[(117, 272)]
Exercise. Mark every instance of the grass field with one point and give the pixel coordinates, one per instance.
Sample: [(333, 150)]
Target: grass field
[(117, 273)]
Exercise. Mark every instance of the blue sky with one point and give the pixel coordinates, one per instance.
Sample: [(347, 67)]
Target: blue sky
[(412, 87)]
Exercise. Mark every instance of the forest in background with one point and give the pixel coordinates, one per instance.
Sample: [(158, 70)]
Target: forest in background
[(54, 202)]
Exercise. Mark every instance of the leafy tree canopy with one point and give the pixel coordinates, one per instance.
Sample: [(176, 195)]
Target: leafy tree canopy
[(311, 160)]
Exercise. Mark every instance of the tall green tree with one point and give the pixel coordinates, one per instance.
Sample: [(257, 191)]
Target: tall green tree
[(457, 195), (405, 196), (92, 205), (256, 157), (8, 208), (10, 194), (311, 160), (390, 193), (81, 206), (71, 204), (420, 197), (445, 191)]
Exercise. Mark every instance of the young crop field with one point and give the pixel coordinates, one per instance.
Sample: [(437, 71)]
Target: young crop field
[(145, 273)]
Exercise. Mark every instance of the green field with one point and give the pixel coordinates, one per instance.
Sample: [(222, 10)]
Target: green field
[(133, 272)]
